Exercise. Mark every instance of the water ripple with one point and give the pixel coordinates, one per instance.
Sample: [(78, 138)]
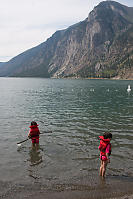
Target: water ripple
[(77, 111)]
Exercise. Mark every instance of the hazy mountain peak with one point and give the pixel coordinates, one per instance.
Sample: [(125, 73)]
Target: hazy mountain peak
[(108, 7)]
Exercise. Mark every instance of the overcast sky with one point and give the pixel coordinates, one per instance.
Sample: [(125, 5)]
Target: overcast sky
[(27, 23)]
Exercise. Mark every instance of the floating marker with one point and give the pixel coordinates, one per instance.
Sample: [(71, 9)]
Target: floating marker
[(129, 88)]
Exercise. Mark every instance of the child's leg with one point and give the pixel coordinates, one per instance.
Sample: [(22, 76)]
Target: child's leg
[(37, 143), (37, 146), (33, 142), (33, 145), (101, 168), (104, 168)]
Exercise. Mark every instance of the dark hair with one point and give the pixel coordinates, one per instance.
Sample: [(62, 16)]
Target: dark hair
[(107, 135), (33, 123)]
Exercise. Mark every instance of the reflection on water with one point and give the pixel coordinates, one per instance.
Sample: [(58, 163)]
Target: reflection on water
[(35, 156)]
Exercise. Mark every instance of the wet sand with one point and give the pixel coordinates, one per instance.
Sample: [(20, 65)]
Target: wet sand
[(114, 187), (124, 197), (62, 195)]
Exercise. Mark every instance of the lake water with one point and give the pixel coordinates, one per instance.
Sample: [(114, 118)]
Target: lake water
[(77, 112)]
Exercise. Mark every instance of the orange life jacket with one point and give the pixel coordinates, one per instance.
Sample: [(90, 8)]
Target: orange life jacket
[(103, 145), (34, 131)]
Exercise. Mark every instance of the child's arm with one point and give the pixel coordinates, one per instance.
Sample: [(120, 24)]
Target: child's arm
[(108, 159), (29, 135), (38, 131), (107, 153)]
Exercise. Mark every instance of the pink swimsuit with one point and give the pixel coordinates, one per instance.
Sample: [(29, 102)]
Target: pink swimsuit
[(103, 157)]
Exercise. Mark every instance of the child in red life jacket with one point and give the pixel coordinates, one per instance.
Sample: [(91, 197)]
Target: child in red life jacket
[(105, 152), (34, 134)]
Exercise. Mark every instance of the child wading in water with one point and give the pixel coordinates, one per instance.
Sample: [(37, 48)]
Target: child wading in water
[(34, 134), (105, 152)]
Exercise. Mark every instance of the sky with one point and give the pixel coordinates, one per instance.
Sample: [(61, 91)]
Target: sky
[(27, 23)]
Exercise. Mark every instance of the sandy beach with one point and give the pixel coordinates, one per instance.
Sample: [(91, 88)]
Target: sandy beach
[(120, 189), (61, 195), (124, 197)]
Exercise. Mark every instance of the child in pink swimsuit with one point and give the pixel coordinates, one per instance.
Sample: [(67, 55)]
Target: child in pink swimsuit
[(105, 151)]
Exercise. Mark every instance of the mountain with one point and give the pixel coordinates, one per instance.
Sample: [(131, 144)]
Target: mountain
[(101, 46)]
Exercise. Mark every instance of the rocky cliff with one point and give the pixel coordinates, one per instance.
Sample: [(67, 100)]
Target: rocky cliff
[(99, 46)]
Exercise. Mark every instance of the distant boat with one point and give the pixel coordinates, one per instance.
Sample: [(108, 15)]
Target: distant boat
[(129, 88)]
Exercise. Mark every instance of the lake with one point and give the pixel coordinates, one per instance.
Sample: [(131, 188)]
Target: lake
[(77, 112)]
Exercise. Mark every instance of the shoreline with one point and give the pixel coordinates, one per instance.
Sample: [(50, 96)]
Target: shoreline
[(73, 78), (30, 194), (103, 189), (126, 196)]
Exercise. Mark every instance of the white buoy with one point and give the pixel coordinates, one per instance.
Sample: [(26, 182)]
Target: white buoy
[(129, 88)]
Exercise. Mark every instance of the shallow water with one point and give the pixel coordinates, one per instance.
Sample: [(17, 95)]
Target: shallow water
[(77, 112)]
